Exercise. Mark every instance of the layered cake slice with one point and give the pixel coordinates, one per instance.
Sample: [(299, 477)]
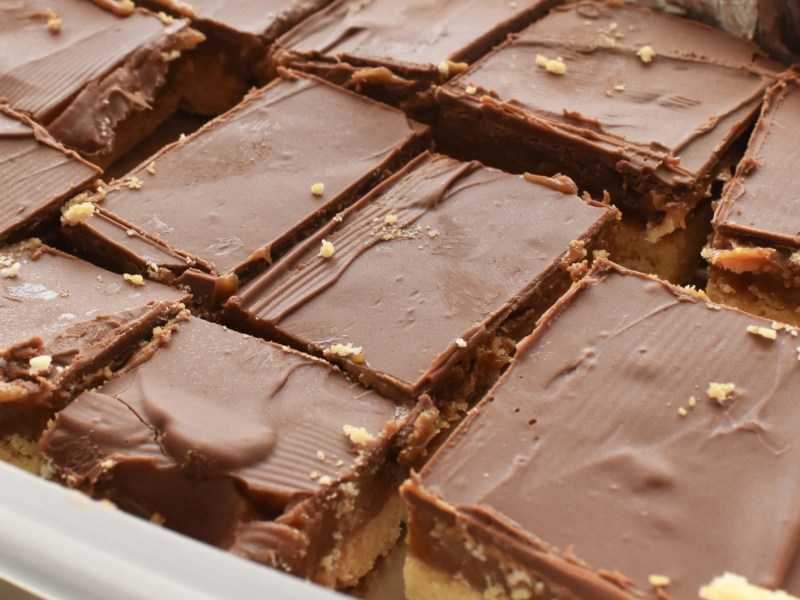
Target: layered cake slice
[(36, 175), (641, 104), (64, 324), (239, 34), (96, 79), (223, 203), (755, 254), (422, 286), (641, 445), (399, 50), (268, 453)]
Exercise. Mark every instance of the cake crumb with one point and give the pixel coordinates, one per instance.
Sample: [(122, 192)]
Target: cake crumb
[(471, 90), (318, 189), (182, 137), (682, 411), (358, 435), (448, 67), (165, 18), (11, 271), (345, 350), (320, 455), (151, 168), (764, 332), (157, 331), (40, 364), (134, 279), (721, 392), (461, 342), (390, 219), (735, 587), (133, 183), (620, 87), (600, 254), (326, 250), (77, 213), (692, 401), (557, 66), (313, 475), (53, 21), (646, 54), (433, 233), (325, 480), (169, 57), (126, 5), (658, 580)]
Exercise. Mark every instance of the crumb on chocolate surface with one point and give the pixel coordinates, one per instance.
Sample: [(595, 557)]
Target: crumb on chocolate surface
[(318, 189), (646, 54), (448, 67), (735, 587), (721, 392), (77, 213), (10, 271), (557, 66), (390, 219), (133, 279), (151, 168), (358, 435), (326, 249), (344, 350), (764, 332), (134, 183), (40, 364), (658, 580)]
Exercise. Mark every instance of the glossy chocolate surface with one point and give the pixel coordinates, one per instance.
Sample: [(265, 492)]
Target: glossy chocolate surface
[(36, 173), (224, 437), (661, 123), (582, 464), (763, 199), (238, 191), (443, 251)]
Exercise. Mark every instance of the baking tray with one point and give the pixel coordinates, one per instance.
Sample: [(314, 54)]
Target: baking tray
[(58, 543)]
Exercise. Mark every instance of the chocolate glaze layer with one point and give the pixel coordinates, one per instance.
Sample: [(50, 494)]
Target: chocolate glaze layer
[(406, 291), (238, 192), (36, 173), (81, 316), (762, 200), (232, 440), (661, 125), (88, 74), (579, 466)]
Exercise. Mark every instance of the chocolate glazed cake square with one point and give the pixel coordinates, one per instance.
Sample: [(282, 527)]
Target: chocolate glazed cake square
[(425, 283), (641, 445), (755, 254), (255, 448), (95, 79)]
